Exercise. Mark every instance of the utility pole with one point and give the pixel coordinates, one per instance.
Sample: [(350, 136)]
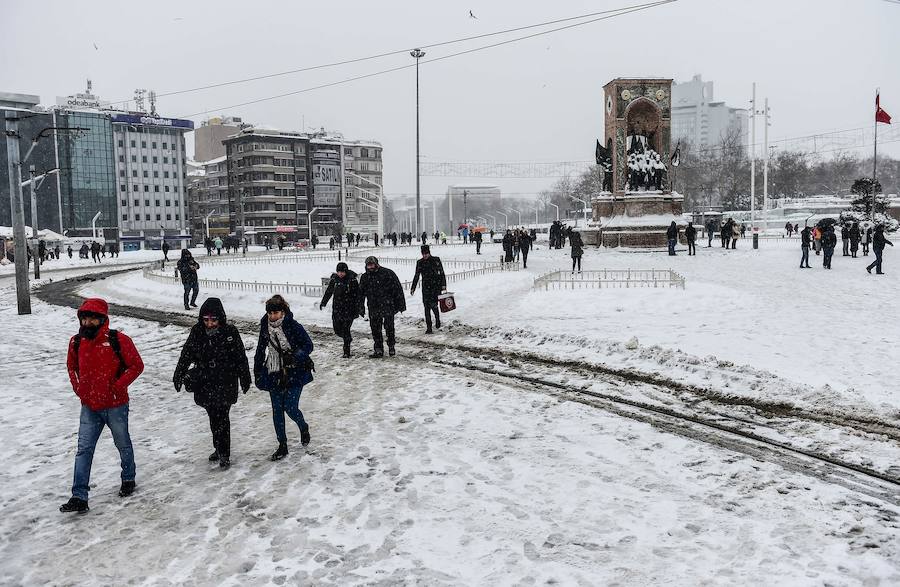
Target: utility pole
[(766, 164), (753, 160), (417, 54), (23, 295), (465, 208), (36, 258)]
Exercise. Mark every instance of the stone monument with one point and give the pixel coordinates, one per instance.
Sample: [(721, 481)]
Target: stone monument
[(637, 203)]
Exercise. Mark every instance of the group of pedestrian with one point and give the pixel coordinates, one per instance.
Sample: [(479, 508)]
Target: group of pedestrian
[(824, 239), (558, 233), (102, 363)]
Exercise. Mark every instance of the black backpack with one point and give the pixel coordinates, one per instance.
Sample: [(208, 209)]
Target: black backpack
[(113, 342)]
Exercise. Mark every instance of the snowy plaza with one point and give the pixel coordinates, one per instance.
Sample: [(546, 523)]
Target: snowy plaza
[(423, 472)]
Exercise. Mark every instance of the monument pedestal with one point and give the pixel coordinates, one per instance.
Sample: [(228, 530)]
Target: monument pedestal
[(634, 219)]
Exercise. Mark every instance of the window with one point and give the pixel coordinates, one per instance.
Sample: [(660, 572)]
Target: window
[(143, 144), (165, 145), (137, 202), (124, 216), (134, 189), (122, 188), (166, 174), (167, 189), (166, 160), (124, 202), (155, 159), (121, 143), (146, 189), (157, 203), (177, 217), (134, 173), (133, 145), (143, 158), (169, 203), (176, 203), (146, 173), (121, 173), (156, 189), (154, 144), (147, 203), (168, 217), (348, 152), (363, 152), (121, 158), (156, 174), (158, 217), (134, 158), (147, 217)]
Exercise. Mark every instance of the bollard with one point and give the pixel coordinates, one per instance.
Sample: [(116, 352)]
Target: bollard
[(755, 240)]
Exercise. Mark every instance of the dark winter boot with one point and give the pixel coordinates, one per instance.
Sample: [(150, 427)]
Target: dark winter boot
[(377, 354), (224, 463), (214, 456), (304, 436), (392, 351), (76, 505), (280, 453), (346, 354), (127, 488)]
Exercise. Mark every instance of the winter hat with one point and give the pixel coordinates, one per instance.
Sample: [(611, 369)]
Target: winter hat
[(426, 249), (185, 253), (213, 307), (372, 260), (341, 267), (94, 307), (277, 304)]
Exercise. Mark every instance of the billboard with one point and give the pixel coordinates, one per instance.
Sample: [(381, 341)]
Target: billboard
[(147, 120), (327, 179)]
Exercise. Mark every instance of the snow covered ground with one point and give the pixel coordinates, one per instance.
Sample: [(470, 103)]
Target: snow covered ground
[(416, 475)]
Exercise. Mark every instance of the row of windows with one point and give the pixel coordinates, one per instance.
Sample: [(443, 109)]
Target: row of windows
[(269, 207), (137, 217), (146, 173), (165, 146), (147, 202), (154, 159), (136, 188), (364, 152)]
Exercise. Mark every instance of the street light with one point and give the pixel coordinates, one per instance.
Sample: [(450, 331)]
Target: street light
[(493, 220), (417, 54), (536, 208), (379, 196), (585, 209), (207, 220), (557, 209), (34, 184), (505, 218), (309, 216), (519, 213)]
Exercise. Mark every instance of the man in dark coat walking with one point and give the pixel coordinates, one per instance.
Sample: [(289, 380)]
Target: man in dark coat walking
[(345, 307), (854, 239), (434, 282), (672, 237), (878, 242), (187, 267), (477, 238), (845, 239), (829, 241), (690, 234), (216, 351), (805, 239), (524, 247), (508, 241), (381, 288)]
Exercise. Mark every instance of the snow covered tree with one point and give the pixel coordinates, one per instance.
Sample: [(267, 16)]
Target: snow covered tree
[(861, 205)]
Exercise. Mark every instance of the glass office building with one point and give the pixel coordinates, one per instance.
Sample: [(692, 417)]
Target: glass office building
[(88, 172)]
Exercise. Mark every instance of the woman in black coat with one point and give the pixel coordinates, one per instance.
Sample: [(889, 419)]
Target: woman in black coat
[(345, 308), (212, 363)]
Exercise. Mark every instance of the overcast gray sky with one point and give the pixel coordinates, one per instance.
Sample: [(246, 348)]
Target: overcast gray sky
[(818, 61)]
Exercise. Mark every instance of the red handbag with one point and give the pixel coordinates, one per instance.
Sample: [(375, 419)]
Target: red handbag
[(446, 302)]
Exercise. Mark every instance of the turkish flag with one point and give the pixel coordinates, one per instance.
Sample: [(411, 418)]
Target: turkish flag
[(880, 115)]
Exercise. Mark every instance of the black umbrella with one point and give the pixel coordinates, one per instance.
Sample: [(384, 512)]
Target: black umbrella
[(826, 222)]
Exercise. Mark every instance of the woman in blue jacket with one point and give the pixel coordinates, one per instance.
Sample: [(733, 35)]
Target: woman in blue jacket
[(282, 367)]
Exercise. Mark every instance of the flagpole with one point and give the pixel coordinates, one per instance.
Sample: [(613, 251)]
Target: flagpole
[(875, 155)]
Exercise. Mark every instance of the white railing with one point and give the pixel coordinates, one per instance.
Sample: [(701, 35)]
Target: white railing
[(624, 278)]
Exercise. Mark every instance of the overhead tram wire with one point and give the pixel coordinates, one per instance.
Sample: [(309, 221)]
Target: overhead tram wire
[(405, 50), (619, 12)]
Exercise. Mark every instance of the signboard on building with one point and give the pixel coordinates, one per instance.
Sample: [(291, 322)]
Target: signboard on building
[(147, 120), (327, 177), (81, 101)]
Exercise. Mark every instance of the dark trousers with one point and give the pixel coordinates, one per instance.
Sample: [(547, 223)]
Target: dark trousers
[(865, 249), (431, 307), (478, 247), (379, 322), (826, 260), (342, 328), (877, 262), (692, 248), (524, 252), (576, 261), (220, 426), (804, 258), (672, 242), (193, 288), (286, 402), (846, 244), (709, 240)]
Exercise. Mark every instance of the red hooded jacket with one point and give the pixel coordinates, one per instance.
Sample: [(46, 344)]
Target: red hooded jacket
[(94, 373)]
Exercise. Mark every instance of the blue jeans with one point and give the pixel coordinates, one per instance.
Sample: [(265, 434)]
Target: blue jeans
[(90, 426), (877, 262), (804, 258), (672, 242), (286, 402)]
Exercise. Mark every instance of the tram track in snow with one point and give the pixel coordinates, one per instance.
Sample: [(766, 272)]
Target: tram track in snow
[(768, 432)]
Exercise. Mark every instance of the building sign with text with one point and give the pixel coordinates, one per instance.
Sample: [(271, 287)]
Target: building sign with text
[(148, 120)]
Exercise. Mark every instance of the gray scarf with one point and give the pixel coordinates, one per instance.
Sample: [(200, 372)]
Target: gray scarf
[(278, 343)]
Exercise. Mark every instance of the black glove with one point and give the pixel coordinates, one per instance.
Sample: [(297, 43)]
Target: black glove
[(177, 381), (321, 307)]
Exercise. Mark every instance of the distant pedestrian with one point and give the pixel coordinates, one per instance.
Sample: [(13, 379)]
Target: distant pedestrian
[(165, 250), (878, 242), (344, 288), (208, 243), (524, 247), (854, 239), (672, 237), (212, 364), (866, 240), (69, 251), (380, 287), (95, 252), (789, 229), (845, 239), (282, 366), (434, 282), (829, 242), (102, 363), (805, 238), (817, 239), (218, 244), (477, 237), (710, 232), (508, 246), (690, 235), (187, 267), (736, 233), (577, 249)]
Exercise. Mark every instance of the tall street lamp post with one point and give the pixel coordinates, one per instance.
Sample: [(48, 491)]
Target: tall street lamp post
[(417, 54), (557, 209)]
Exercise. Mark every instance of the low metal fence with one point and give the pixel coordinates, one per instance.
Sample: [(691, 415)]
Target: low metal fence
[(620, 278)]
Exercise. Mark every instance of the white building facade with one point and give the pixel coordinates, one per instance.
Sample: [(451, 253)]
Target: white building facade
[(701, 121)]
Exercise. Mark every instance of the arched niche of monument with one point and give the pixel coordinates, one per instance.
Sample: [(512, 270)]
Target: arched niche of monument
[(642, 121)]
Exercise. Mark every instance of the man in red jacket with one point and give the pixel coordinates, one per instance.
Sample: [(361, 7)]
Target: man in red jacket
[(102, 363)]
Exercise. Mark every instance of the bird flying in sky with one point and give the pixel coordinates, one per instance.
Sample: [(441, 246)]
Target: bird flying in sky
[(472, 15)]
